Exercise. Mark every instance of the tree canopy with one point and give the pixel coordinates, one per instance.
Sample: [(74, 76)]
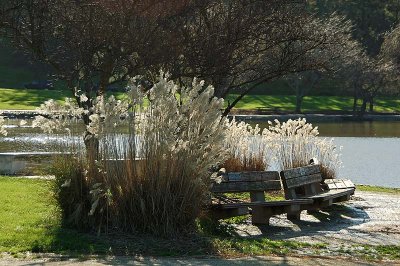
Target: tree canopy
[(234, 45)]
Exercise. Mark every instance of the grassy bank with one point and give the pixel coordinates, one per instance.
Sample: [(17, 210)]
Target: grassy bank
[(311, 103), (23, 99), (375, 189), (30, 222)]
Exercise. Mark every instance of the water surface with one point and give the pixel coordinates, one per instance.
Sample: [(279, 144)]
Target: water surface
[(370, 155)]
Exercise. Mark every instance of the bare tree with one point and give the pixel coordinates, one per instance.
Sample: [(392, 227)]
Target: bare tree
[(302, 83), (90, 44), (242, 44), (367, 77), (390, 53), (231, 44)]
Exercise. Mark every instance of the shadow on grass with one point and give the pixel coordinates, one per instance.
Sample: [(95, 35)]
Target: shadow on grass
[(73, 243)]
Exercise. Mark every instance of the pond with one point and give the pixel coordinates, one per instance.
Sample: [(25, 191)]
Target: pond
[(371, 150)]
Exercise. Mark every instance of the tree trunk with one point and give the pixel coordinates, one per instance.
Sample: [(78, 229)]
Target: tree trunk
[(92, 153), (299, 102), (363, 108), (371, 104), (355, 99), (92, 145)]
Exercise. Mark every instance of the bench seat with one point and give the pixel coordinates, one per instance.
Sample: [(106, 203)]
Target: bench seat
[(332, 194)]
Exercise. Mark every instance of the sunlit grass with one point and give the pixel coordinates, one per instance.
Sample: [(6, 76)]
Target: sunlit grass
[(24, 99), (29, 220), (311, 103), (367, 188)]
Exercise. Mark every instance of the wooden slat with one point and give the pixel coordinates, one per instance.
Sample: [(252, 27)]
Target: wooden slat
[(301, 171), (225, 187), (332, 194), (253, 176), (265, 203), (331, 185), (302, 180), (339, 184), (348, 183)]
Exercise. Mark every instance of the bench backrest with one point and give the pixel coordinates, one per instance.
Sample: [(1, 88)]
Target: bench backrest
[(254, 182), (302, 181), (248, 181)]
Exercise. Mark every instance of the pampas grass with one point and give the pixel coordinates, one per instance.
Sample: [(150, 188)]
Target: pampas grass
[(296, 142), (155, 178), (247, 150)]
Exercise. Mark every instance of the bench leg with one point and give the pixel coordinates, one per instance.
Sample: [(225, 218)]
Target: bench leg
[(294, 212), (260, 215), (342, 198), (293, 216), (313, 211), (327, 203)]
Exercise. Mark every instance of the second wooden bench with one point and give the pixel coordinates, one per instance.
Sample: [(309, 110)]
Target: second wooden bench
[(307, 183), (257, 183)]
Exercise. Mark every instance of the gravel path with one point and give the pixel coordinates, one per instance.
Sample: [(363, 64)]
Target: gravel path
[(369, 218)]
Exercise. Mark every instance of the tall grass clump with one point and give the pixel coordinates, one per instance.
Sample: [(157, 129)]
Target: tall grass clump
[(296, 142), (247, 151), (151, 171)]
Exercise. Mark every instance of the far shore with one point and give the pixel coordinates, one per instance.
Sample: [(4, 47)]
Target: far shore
[(254, 116), (316, 117)]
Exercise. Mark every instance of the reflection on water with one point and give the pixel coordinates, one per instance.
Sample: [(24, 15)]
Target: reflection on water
[(28, 139), (371, 150)]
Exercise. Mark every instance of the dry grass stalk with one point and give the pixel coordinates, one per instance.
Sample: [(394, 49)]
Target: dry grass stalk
[(296, 142)]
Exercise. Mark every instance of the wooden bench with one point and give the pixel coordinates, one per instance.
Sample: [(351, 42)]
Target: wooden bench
[(257, 183), (306, 183)]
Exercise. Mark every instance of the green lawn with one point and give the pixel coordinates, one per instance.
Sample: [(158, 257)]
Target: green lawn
[(311, 103), (29, 220), (375, 189), (23, 99)]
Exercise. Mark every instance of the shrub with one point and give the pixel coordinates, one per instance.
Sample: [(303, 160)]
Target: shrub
[(71, 191), (154, 178), (296, 142)]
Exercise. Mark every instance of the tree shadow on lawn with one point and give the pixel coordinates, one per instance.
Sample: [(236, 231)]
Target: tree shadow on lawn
[(72, 243)]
